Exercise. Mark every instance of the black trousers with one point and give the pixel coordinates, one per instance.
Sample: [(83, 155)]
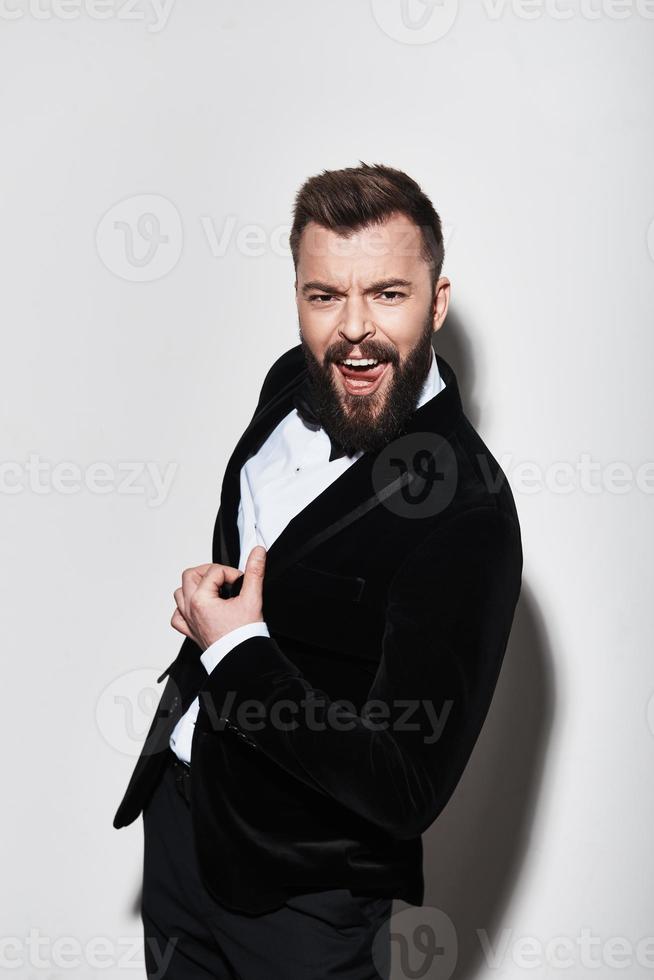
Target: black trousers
[(190, 936)]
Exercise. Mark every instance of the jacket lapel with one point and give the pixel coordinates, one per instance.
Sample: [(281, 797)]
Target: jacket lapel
[(261, 425)]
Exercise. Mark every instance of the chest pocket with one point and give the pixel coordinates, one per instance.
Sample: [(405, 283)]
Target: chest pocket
[(317, 581), (320, 610)]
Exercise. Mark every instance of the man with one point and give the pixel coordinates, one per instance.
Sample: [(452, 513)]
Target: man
[(342, 649)]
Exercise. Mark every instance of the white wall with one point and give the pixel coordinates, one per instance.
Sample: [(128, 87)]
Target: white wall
[(531, 131)]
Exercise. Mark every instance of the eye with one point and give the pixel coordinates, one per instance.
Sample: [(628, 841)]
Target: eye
[(391, 294), (319, 299)]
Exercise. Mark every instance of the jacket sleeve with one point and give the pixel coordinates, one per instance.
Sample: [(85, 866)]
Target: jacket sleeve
[(397, 760)]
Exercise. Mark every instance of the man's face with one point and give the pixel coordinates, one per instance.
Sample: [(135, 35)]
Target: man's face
[(368, 296)]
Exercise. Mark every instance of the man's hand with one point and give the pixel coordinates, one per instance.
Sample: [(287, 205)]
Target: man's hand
[(203, 615)]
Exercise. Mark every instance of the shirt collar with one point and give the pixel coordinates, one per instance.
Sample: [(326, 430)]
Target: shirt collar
[(433, 383)]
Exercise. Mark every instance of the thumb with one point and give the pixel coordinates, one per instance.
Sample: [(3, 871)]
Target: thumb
[(255, 569)]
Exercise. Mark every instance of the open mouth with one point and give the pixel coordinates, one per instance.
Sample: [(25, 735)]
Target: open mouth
[(361, 375)]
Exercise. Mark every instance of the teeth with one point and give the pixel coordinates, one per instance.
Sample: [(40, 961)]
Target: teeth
[(359, 361)]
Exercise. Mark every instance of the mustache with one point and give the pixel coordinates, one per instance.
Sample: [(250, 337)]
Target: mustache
[(378, 354)]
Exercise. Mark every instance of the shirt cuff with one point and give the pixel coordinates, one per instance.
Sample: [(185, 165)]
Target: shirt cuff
[(217, 650)]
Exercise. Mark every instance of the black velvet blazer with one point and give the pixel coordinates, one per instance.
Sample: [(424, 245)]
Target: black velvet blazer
[(322, 753)]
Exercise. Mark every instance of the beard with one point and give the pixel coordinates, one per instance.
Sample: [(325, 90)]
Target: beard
[(367, 423)]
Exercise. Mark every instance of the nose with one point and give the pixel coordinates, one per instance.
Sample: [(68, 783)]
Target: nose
[(355, 325)]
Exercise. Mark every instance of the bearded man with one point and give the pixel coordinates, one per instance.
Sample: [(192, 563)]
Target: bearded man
[(342, 648)]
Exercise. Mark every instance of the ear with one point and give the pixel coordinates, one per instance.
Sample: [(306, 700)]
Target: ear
[(441, 302)]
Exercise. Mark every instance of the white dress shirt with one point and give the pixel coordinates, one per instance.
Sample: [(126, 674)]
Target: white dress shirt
[(290, 469)]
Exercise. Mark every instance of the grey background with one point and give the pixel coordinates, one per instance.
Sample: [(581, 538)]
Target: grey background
[(531, 131)]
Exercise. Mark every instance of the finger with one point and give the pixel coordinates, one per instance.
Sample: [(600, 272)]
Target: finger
[(255, 570), (179, 623), (178, 596), (231, 574), (211, 581), (191, 578)]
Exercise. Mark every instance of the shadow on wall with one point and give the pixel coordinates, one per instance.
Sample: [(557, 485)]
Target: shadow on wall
[(474, 852), (452, 343)]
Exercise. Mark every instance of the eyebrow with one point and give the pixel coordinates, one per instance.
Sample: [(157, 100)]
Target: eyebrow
[(375, 287)]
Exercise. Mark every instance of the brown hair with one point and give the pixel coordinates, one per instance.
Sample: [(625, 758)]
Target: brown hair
[(349, 199)]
